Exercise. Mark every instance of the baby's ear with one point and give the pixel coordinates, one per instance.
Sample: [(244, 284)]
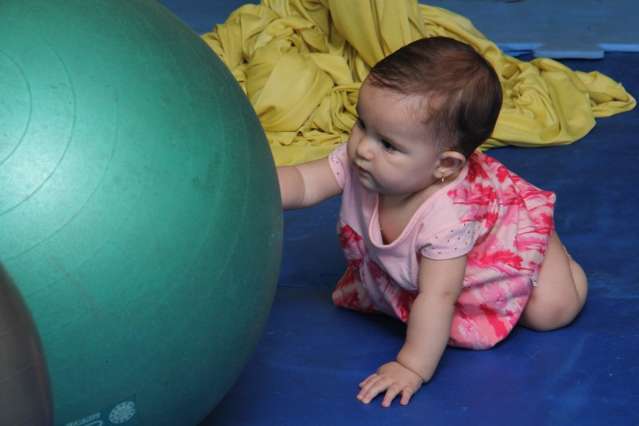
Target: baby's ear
[(450, 163)]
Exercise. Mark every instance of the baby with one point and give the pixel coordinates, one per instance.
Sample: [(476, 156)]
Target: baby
[(435, 233)]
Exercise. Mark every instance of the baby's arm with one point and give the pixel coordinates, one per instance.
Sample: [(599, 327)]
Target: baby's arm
[(307, 184), (440, 283)]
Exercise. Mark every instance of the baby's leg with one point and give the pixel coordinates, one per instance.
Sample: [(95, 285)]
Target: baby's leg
[(560, 292)]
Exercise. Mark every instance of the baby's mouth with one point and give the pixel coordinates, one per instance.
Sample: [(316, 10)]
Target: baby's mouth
[(362, 171)]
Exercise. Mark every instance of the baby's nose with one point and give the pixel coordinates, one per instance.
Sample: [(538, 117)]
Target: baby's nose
[(365, 149)]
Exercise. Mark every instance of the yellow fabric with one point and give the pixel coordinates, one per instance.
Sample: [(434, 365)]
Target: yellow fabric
[(301, 63)]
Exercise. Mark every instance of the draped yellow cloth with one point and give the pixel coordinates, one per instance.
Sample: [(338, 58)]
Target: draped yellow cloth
[(301, 63)]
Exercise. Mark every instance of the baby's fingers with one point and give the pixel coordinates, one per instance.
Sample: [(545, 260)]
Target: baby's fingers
[(373, 388), (368, 380), (407, 394), (391, 393)]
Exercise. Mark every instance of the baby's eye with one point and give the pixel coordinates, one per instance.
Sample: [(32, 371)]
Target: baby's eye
[(361, 124), (388, 146)]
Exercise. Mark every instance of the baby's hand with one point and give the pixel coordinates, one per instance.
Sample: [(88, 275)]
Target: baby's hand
[(392, 378)]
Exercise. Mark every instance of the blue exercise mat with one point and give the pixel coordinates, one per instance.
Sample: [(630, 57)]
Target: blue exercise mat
[(584, 29)]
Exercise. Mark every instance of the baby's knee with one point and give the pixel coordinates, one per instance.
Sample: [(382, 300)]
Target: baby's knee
[(562, 314), (551, 314)]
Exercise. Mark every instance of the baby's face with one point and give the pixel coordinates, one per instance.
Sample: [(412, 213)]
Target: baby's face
[(389, 146)]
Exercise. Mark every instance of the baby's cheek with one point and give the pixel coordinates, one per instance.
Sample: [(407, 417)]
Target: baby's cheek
[(351, 146)]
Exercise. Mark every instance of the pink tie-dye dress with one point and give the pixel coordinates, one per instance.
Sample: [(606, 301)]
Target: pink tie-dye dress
[(501, 222)]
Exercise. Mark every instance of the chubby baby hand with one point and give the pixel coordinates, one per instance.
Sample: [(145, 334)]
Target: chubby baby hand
[(394, 379)]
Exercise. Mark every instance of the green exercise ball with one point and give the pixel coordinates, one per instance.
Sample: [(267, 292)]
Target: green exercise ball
[(140, 219)]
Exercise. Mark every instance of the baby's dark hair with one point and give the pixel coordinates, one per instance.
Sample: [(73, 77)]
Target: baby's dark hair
[(463, 90)]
